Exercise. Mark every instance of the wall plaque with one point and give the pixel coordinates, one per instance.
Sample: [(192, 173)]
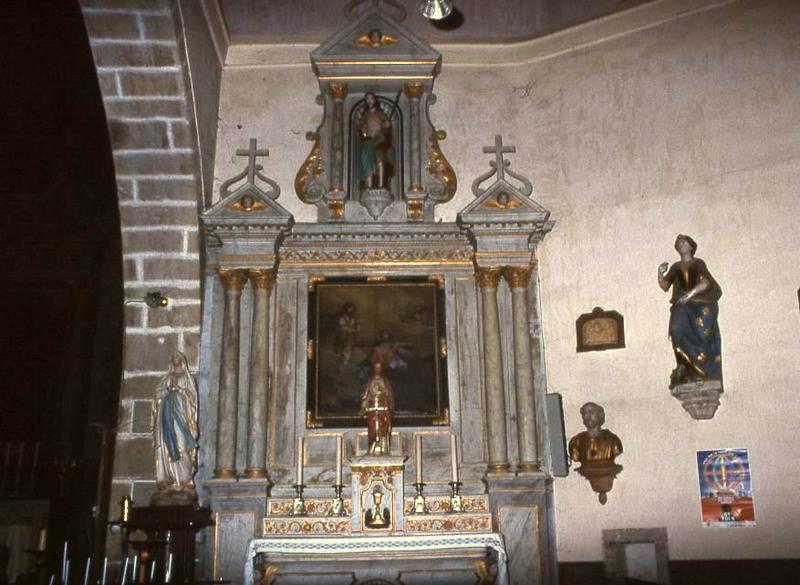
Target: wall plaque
[(600, 330)]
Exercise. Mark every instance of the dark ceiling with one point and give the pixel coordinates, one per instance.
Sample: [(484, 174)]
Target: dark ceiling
[(484, 21)]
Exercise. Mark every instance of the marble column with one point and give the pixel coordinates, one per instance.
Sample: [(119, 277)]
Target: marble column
[(233, 281), (518, 277), (338, 93), (262, 281), (488, 279), (414, 92)]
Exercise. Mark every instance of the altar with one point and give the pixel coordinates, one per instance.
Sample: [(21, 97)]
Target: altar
[(372, 383), (423, 559)]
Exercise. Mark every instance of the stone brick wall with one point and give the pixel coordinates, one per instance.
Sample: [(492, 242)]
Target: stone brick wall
[(140, 59)]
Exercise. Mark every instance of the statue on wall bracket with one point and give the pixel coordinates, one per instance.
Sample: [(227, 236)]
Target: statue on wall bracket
[(694, 333), (375, 157), (596, 449)]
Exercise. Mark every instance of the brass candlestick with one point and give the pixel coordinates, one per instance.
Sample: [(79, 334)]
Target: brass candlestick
[(298, 503), (456, 503), (420, 507), (337, 506)]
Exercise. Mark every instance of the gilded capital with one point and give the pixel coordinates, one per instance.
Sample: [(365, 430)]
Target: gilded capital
[(488, 277), (262, 278), (517, 276), (413, 90), (338, 90), (232, 280)]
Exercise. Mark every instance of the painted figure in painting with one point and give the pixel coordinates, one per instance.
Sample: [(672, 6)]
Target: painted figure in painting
[(377, 405), (375, 152), (346, 330), (175, 428), (693, 327), (596, 449)]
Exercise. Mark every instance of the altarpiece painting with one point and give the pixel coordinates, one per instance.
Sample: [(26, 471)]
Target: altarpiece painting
[(354, 323)]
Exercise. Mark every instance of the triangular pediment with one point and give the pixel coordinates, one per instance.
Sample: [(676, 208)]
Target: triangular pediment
[(353, 47), (247, 204), (503, 202)]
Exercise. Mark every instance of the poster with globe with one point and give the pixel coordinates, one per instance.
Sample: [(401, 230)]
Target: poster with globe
[(726, 488)]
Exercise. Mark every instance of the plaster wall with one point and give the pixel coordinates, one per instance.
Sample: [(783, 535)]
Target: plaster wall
[(686, 123)]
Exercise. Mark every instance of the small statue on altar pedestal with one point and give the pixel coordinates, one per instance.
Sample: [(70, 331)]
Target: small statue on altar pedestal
[(378, 516), (175, 434), (377, 405)]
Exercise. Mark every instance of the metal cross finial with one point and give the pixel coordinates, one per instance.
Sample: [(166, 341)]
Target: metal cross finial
[(252, 153), (499, 150)]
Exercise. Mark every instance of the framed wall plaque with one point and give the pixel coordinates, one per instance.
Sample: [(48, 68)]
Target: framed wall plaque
[(600, 330), (354, 322)]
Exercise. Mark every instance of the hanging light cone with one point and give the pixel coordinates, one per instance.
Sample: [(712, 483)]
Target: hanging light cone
[(436, 9)]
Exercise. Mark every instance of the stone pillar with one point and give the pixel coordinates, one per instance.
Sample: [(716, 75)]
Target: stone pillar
[(488, 279), (518, 277), (259, 375), (414, 92), (232, 281), (338, 93)]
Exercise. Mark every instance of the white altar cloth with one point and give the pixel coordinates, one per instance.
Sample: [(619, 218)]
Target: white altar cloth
[(309, 547)]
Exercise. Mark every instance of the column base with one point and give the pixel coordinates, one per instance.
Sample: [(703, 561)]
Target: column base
[(503, 467), (528, 467), (224, 473), (255, 473)]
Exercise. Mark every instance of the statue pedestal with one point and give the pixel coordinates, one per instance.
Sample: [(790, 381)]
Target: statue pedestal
[(377, 494), (601, 477), (700, 400)]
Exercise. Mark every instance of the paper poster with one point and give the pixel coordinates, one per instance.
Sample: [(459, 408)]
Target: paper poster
[(726, 489)]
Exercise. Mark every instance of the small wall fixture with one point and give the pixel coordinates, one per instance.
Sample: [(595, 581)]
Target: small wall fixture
[(435, 9), (153, 299)]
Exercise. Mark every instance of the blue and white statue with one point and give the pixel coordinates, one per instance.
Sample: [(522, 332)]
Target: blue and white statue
[(175, 431), (693, 327)]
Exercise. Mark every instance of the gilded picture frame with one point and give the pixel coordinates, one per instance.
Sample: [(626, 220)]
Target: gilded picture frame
[(600, 330), (353, 322)]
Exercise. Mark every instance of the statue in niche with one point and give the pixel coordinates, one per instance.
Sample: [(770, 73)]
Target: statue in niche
[(693, 327), (175, 433), (596, 449), (377, 406), (375, 161), (378, 516)]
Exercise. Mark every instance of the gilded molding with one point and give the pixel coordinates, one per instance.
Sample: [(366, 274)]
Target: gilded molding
[(528, 466), (224, 473), (262, 278), (414, 208), (338, 90), (314, 506), (336, 208), (502, 467), (517, 276), (255, 473), (413, 90), (311, 169), (232, 279), (374, 40), (454, 523), (488, 276), (441, 504), (308, 526), (356, 256), (438, 166)]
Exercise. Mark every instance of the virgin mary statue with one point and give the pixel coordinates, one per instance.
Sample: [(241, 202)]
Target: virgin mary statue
[(175, 429)]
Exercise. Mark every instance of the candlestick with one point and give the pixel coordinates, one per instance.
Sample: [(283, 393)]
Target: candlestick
[(52, 579), (299, 504), (420, 507), (338, 460), (134, 574), (86, 571), (125, 570), (168, 577), (456, 503), (418, 457), (105, 569), (42, 539), (300, 445), (66, 573), (337, 506), (453, 458), (153, 572), (64, 560)]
